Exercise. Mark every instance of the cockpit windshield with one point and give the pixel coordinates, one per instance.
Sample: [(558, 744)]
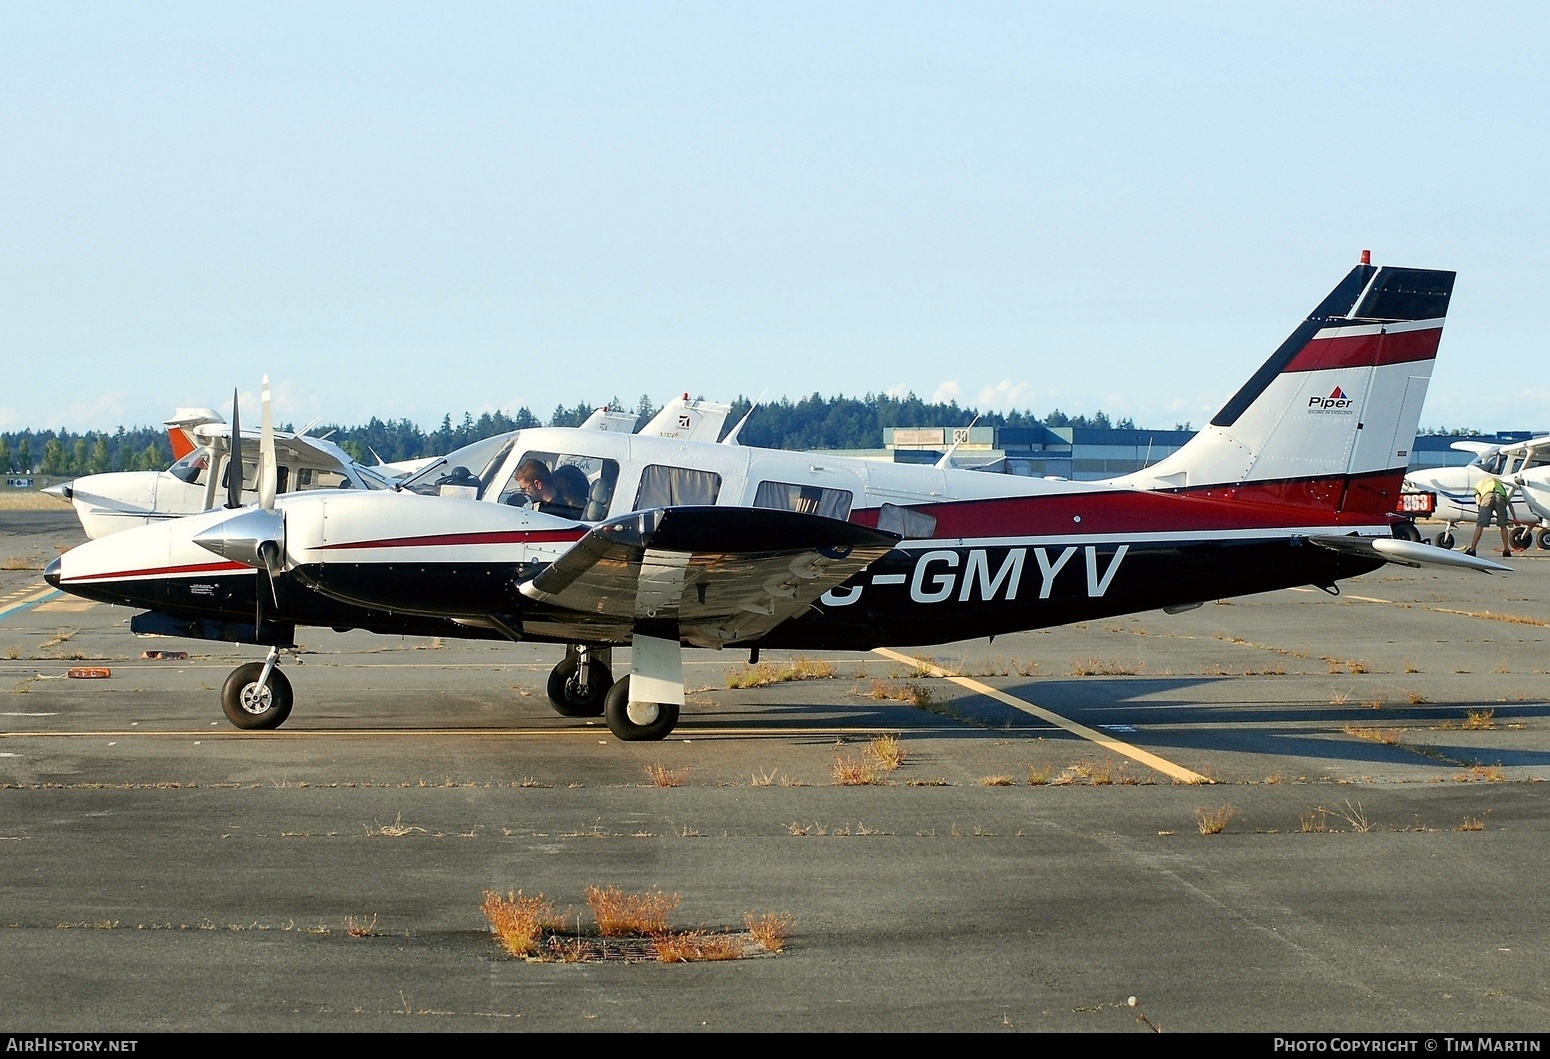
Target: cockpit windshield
[(193, 468), (487, 476), (1492, 463)]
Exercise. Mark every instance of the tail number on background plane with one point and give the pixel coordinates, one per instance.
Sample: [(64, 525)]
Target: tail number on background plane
[(937, 575)]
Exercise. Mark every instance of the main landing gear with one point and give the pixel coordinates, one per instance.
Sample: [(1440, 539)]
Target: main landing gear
[(638, 721), (257, 695), (582, 685)]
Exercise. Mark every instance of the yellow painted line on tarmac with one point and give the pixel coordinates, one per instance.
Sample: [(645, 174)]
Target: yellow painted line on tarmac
[(67, 605), (29, 601), (1484, 615), (1167, 768)]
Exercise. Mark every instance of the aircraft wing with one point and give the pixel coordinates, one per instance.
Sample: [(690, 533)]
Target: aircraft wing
[(298, 448), (1535, 494), (721, 575), (1406, 553), (308, 452), (1479, 448)]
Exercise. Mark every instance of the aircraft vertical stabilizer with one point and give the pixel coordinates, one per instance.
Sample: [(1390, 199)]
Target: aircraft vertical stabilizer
[(1328, 421)]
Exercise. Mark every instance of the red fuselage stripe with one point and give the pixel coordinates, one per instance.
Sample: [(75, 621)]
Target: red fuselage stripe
[(1333, 501), (159, 571), (455, 539)]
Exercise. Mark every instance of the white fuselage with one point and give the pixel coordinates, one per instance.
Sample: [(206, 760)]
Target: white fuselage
[(1454, 487)]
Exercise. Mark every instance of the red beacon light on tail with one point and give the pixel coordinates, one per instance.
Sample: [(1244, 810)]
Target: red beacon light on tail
[(1366, 257)]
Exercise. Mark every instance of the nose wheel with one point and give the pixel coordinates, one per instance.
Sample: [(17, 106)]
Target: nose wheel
[(257, 696)]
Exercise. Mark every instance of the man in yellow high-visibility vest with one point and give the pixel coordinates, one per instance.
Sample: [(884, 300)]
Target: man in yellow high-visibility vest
[(1491, 499)]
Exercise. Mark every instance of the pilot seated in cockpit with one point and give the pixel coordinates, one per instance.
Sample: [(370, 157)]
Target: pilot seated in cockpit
[(561, 492)]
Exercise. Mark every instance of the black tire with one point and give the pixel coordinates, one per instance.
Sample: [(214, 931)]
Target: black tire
[(1406, 531), (1522, 537), (253, 708), (569, 698), (1543, 540), (637, 722), (1445, 539)]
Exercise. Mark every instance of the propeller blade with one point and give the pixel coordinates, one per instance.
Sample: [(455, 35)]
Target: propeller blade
[(268, 471), (274, 566), (234, 464)]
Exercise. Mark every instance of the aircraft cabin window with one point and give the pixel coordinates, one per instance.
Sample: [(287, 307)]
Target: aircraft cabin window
[(1494, 463), (808, 499), (583, 486), (249, 475), (317, 478), (676, 486)]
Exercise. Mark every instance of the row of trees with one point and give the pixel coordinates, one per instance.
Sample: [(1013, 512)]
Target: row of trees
[(814, 422)]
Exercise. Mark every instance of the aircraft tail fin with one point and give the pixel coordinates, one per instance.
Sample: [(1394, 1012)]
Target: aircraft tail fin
[(180, 428), (1329, 420)]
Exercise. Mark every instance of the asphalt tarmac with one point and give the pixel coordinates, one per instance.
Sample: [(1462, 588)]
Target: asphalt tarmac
[(1291, 813)]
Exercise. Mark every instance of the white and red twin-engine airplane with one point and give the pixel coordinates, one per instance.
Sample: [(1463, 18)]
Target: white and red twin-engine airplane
[(712, 545)]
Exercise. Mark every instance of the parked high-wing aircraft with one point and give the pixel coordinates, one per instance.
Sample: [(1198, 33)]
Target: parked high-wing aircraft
[(196, 481), (1452, 489), (695, 544), (201, 439)]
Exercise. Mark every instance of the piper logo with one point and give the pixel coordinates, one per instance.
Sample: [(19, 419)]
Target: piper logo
[(1337, 401)]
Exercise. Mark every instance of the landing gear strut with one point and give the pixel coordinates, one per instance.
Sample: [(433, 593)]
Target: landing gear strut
[(257, 695), (579, 683)]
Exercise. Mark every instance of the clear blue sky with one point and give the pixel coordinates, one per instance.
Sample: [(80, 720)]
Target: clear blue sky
[(406, 210)]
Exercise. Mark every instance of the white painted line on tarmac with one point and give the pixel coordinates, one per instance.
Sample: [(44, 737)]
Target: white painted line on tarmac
[(1167, 768)]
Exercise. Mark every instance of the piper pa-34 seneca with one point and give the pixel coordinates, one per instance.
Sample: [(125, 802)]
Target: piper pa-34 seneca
[(699, 544)]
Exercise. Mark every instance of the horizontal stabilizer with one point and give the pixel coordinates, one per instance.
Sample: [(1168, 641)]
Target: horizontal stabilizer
[(1407, 553)]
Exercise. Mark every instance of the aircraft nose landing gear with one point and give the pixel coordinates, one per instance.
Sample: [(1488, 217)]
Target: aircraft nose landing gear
[(257, 695)]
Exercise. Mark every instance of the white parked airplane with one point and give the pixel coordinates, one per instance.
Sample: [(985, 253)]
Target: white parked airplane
[(201, 447), (697, 544), (197, 479), (1449, 491)]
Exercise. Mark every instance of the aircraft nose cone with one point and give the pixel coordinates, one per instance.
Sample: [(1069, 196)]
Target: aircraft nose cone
[(51, 573), (62, 491)]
